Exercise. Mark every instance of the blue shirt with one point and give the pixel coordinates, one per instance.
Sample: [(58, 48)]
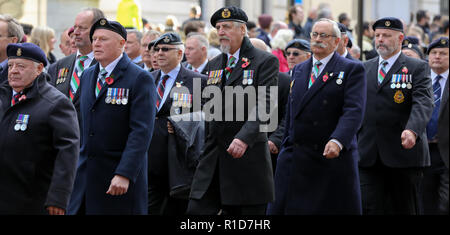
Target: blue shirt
[(169, 83)]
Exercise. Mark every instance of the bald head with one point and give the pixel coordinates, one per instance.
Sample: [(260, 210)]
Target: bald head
[(258, 43)]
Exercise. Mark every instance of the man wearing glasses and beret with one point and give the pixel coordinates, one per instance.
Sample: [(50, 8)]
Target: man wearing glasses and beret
[(297, 51)]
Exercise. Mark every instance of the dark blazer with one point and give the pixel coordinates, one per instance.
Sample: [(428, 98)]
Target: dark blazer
[(443, 126), (115, 140), (37, 166), (305, 181), (67, 63), (249, 179), (265, 37), (158, 152), (348, 56), (284, 81), (385, 120)]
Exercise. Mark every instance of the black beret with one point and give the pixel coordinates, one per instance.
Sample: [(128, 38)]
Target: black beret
[(350, 43), (299, 44), (410, 40), (342, 28), (388, 23), (169, 38), (26, 50), (152, 43), (415, 48), (231, 13), (441, 42), (109, 25)]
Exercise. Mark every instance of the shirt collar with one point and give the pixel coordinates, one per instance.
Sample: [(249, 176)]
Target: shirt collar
[(110, 67), (324, 60), (90, 55), (236, 54), (173, 73), (391, 60), (444, 75), (201, 67)]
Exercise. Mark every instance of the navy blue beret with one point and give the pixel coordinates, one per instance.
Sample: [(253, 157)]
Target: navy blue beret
[(231, 13), (152, 43), (109, 25), (169, 38), (411, 40), (441, 42), (299, 44), (388, 23), (342, 28), (26, 50), (415, 48)]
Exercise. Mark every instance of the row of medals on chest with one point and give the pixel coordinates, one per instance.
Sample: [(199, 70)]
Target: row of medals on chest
[(117, 96), (401, 81)]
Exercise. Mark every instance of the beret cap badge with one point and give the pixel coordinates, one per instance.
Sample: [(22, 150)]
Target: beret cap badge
[(387, 23), (103, 22), (226, 13), (443, 42), (166, 39), (19, 52)]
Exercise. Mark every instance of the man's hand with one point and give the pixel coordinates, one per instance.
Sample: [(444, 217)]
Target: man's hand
[(408, 139), (52, 210), (119, 186), (170, 128), (273, 148), (237, 148), (332, 150)]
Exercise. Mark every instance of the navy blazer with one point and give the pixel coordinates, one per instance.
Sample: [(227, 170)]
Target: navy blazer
[(115, 140), (305, 181)]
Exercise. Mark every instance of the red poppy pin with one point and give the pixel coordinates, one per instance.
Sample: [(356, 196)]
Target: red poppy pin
[(405, 70), (22, 97), (246, 63), (109, 80), (325, 77)]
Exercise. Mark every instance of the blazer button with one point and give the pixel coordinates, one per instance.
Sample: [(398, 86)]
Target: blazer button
[(91, 134), (92, 110), (325, 102)]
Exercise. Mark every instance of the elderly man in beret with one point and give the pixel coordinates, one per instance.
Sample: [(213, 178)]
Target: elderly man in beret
[(117, 106), (392, 141), (297, 51), (39, 140), (234, 175), (435, 182)]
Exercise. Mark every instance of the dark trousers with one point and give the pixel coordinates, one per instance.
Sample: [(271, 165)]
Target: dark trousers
[(160, 202), (210, 203), (386, 190), (434, 190)]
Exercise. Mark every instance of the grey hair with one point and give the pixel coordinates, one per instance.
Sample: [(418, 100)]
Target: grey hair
[(14, 28), (151, 33), (336, 31), (98, 14), (238, 24), (180, 47), (138, 34), (200, 38)]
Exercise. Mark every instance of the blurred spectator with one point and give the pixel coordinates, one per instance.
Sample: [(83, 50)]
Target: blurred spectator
[(44, 37), (276, 26), (279, 43), (342, 45), (325, 13), (345, 20), (64, 44), (252, 29), (312, 17), (436, 25), (445, 28), (296, 16), (355, 52), (73, 47), (265, 22), (171, 24), (194, 26), (146, 25), (417, 32), (214, 44), (368, 49), (10, 32), (195, 14), (412, 50), (133, 46), (27, 28), (297, 51), (423, 19), (196, 53), (146, 54)]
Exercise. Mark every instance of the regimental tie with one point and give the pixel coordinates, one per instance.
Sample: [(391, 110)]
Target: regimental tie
[(230, 66), (315, 73), (382, 71), (75, 81), (432, 125), (15, 98), (100, 81), (161, 88)]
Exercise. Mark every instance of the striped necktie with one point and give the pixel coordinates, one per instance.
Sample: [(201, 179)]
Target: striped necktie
[(432, 124), (161, 88), (230, 66), (315, 73), (382, 72), (75, 81), (15, 99), (100, 82)]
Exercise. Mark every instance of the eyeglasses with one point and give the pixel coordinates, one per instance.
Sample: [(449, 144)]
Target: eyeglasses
[(164, 49), (321, 35), (294, 54)]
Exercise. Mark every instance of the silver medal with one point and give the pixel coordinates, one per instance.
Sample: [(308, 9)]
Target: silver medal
[(409, 86), (404, 85), (244, 82), (17, 127), (392, 86), (250, 81), (398, 86), (339, 81), (108, 100), (118, 101), (124, 101), (23, 127)]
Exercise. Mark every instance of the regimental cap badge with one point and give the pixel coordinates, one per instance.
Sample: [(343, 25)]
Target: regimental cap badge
[(410, 46), (102, 22), (406, 42), (387, 23), (297, 45), (19, 52), (443, 42), (166, 39), (226, 13)]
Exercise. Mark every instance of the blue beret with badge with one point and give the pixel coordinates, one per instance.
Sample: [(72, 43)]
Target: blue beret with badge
[(411, 40), (231, 13), (169, 38), (299, 44), (151, 44), (415, 48), (388, 23), (27, 51), (109, 25), (441, 42)]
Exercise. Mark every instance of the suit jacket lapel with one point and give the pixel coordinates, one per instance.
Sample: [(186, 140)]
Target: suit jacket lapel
[(444, 99), (394, 69), (168, 102)]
